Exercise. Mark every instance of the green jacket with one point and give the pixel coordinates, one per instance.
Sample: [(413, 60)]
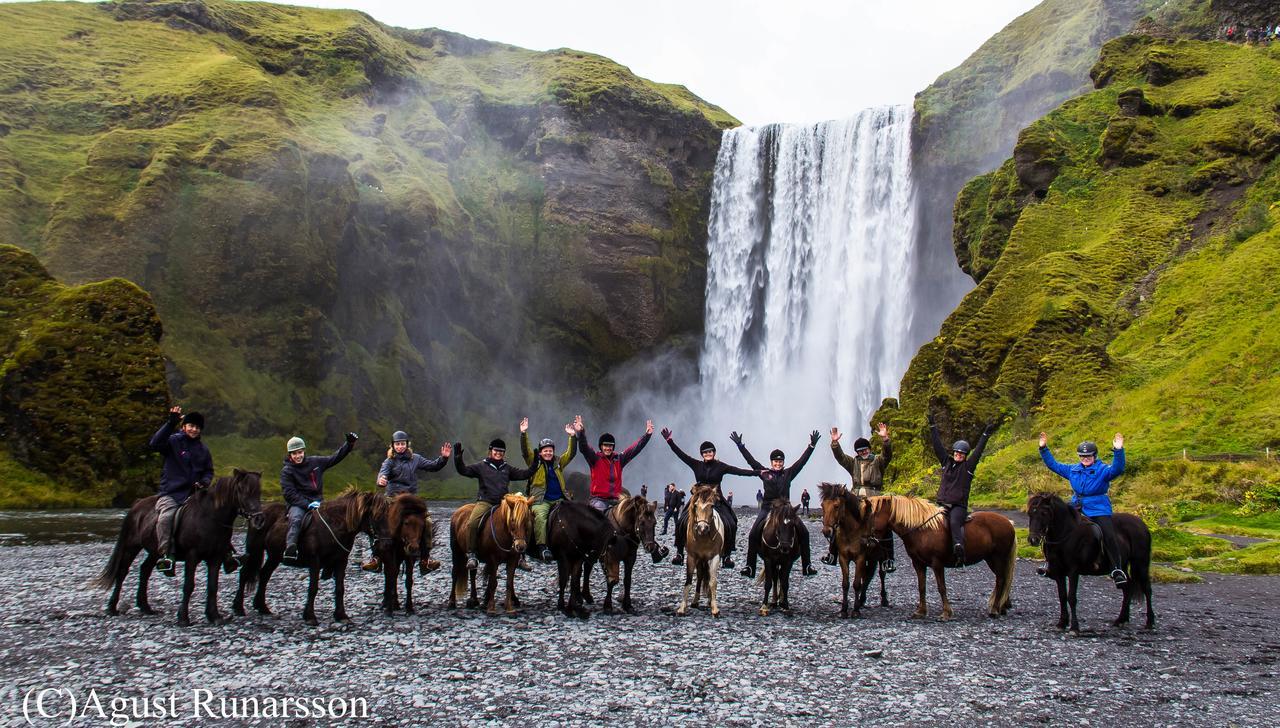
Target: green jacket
[(868, 473), (538, 481)]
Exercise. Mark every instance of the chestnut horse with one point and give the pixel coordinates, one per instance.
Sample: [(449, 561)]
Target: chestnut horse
[(409, 525), (202, 533), (922, 525), (704, 542), (503, 538), (845, 518), (633, 520), (323, 545)]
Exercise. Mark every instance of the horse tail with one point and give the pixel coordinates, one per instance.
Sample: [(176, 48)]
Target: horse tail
[(1011, 565), (107, 577)]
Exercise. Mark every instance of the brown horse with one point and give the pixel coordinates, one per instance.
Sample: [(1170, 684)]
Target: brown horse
[(845, 518), (410, 526), (633, 520), (779, 548), (502, 540), (202, 533), (922, 525), (704, 543), (324, 544)]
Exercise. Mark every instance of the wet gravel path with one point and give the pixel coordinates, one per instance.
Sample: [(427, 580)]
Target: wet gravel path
[(1212, 659)]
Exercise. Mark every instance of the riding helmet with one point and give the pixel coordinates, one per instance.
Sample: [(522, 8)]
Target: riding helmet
[(861, 443), (706, 446), (606, 439), (961, 446), (295, 444), (399, 436), (193, 418), (1087, 448), (498, 443), (546, 442), (777, 455)]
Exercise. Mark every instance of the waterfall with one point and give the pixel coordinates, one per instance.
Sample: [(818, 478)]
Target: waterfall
[(809, 278)]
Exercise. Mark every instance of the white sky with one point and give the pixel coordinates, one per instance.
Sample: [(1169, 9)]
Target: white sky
[(803, 60)]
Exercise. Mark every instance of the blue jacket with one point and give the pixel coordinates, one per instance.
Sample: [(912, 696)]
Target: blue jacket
[(302, 484), (186, 461), (1088, 485)]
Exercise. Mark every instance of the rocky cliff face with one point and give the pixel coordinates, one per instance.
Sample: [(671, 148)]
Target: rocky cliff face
[(349, 225)]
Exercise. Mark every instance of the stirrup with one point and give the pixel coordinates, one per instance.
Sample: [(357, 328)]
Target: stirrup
[(1043, 571), (748, 571), (290, 555), (231, 563), (166, 566), (828, 559), (888, 566), (1119, 577), (372, 564), (678, 558), (808, 570)]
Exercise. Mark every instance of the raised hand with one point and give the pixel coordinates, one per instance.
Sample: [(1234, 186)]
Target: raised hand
[(447, 449), (735, 438), (835, 435), (457, 448), (524, 425), (648, 427), (1117, 442), (666, 434), (570, 430), (813, 438), (1044, 439), (175, 410), (352, 437), (883, 431)]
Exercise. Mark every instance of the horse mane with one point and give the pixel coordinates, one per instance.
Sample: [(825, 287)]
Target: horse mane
[(224, 489), (516, 504), (914, 512), (406, 504)]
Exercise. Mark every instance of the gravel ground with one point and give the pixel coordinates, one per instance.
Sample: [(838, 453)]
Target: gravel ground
[(1211, 660)]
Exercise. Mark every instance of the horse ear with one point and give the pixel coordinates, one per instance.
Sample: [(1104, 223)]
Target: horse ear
[(237, 472), (653, 507)]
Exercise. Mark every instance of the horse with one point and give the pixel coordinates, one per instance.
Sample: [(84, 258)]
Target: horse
[(634, 520), (922, 526), (324, 544), (202, 533), (576, 535), (409, 525), (704, 543), (1071, 548), (780, 555), (844, 516), (509, 523)]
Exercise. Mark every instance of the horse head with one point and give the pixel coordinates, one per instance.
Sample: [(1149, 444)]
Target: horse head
[(247, 486), (638, 519), (782, 525), (408, 520), (519, 519), (702, 509), (1043, 511)]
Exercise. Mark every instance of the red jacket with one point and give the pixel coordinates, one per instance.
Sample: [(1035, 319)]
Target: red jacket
[(606, 472)]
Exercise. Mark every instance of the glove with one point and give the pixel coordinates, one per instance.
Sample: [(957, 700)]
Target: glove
[(313, 505), (735, 438), (813, 438), (457, 449), (200, 486), (929, 418), (666, 434), (991, 428), (352, 437)]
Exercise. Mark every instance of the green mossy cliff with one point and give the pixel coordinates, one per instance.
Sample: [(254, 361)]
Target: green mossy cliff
[(81, 381), (351, 226), (1126, 265)]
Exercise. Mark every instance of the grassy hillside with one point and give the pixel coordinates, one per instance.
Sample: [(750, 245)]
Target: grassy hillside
[(1126, 258)]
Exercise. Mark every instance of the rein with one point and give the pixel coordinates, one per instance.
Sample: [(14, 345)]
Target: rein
[(330, 530), (493, 530)]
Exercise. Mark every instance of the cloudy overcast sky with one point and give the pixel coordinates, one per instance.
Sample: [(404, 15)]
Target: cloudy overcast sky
[(802, 60)]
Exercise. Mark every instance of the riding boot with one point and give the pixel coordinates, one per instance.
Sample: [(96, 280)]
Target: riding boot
[(806, 567), (1111, 547), (679, 557), (546, 555), (296, 515)]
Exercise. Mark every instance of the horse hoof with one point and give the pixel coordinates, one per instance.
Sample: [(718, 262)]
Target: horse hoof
[(491, 612), (148, 611), (264, 611), (715, 613), (112, 612), (473, 603), (945, 618), (238, 611), (311, 622), (764, 611), (682, 612), (918, 615), (408, 610)]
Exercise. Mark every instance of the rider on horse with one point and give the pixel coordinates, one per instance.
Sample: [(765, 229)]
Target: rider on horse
[(547, 485), (302, 482), (867, 471), (187, 466), (495, 476), (777, 484), (958, 466), (606, 464), (708, 471), (399, 474), (1090, 479)]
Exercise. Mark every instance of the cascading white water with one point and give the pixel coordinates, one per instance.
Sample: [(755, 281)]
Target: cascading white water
[(809, 290)]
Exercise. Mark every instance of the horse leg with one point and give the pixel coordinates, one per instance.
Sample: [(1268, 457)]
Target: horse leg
[(861, 582), (457, 584), (884, 593), (211, 615), (122, 570), (713, 569), (940, 574), (683, 609), (1063, 617), (144, 578), (628, 565), (611, 566), (786, 588), (473, 602), (1125, 596), (491, 588), (188, 586), (922, 609), (408, 589), (389, 576), (313, 587), (1071, 602), (767, 573), (586, 580), (1140, 572), (260, 595), (575, 591), (340, 594), (512, 602)]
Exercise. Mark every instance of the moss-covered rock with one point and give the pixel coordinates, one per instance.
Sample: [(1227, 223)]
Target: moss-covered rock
[(81, 381)]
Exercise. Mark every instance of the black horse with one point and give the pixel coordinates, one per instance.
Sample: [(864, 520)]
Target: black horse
[(324, 544), (576, 534), (634, 520), (203, 533), (778, 544), (1073, 547), (410, 528)]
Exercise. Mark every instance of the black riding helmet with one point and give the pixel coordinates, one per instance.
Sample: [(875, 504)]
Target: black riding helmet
[(498, 444), (861, 443), (1087, 448), (706, 447), (399, 436), (777, 455), (193, 418), (606, 439), (961, 446)]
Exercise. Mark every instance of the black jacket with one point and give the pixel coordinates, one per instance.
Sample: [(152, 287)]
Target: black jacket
[(495, 478), (186, 461), (957, 477), (302, 484), (777, 483), (672, 501), (401, 471), (708, 473)]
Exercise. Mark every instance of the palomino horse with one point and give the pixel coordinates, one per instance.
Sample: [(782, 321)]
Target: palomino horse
[(922, 525), (844, 519), (1071, 548), (409, 525), (203, 534), (704, 543), (502, 540), (634, 520), (779, 549), (576, 535), (324, 544)]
